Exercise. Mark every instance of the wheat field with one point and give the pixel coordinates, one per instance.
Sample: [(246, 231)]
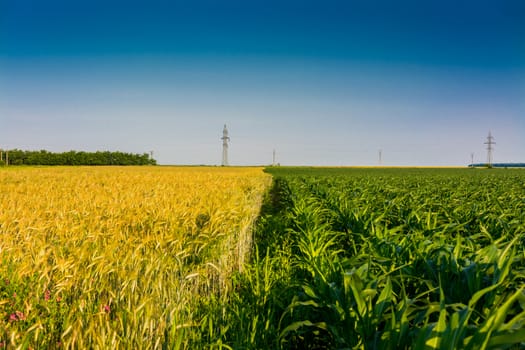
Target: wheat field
[(119, 257)]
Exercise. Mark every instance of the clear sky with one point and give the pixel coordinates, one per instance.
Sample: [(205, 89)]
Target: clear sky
[(321, 82)]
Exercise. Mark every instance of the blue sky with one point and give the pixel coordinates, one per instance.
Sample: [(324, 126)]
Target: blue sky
[(321, 82)]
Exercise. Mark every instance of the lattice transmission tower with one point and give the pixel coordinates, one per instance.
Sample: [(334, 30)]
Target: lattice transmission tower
[(490, 142), (225, 139)]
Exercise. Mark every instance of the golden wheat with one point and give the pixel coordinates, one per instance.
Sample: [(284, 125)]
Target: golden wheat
[(118, 257)]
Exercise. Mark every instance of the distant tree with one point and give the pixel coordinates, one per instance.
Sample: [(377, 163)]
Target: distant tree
[(43, 157)]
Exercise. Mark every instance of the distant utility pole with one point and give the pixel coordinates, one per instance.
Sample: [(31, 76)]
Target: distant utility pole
[(380, 157), (490, 142), (6, 161), (472, 159), (225, 140), (273, 159)]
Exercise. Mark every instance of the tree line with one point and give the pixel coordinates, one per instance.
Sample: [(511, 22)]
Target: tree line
[(43, 157)]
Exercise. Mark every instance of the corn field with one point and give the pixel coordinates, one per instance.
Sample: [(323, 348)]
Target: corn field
[(235, 258), (390, 259)]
